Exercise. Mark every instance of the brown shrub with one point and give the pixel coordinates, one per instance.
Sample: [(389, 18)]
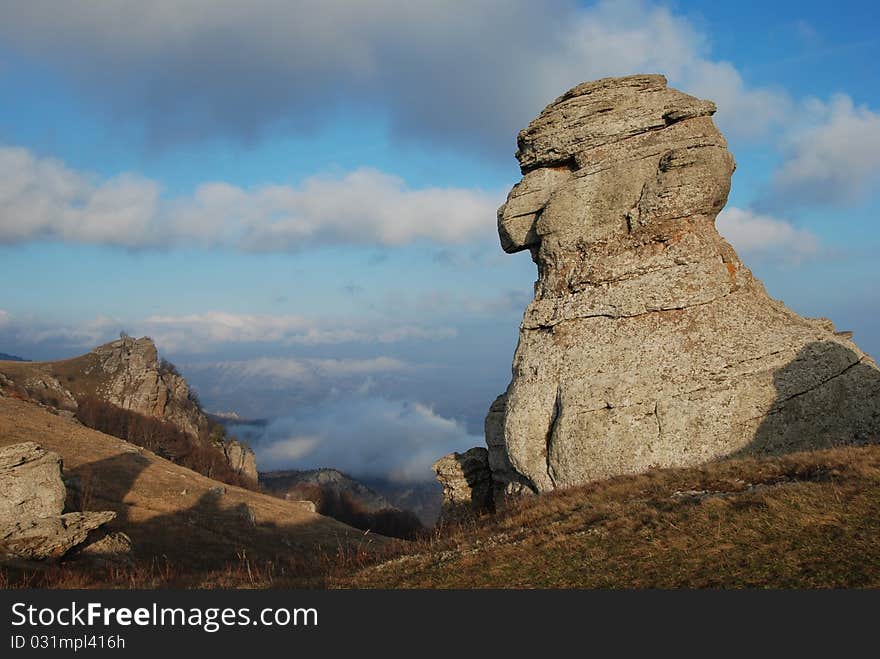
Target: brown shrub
[(161, 437)]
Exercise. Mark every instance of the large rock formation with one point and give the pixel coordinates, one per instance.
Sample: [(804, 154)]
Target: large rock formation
[(241, 458), (33, 524), (648, 342), (133, 378)]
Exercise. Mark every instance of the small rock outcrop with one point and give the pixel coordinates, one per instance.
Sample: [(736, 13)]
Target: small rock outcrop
[(33, 524), (649, 342), (467, 484), (241, 458), (115, 547)]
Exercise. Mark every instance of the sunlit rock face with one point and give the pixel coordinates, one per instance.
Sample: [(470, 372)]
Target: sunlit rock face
[(648, 342)]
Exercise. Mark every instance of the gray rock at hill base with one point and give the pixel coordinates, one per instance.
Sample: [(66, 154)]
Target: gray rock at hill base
[(467, 484), (308, 506), (32, 496), (648, 342), (30, 483), (38, 538)]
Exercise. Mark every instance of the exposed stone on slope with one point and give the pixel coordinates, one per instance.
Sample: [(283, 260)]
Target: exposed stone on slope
[(467, 484), (134, 381), (39, 538), (241, 458), (32, 497), (115, 547), (30, 483), (648, 342)]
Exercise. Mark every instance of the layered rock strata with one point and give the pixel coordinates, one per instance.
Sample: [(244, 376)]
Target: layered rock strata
[(648, 342)]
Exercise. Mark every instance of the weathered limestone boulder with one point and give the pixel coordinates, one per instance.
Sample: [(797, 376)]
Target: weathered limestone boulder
[(648, 342), (32, 496), (467, 484), (39, 538), (30, 483)]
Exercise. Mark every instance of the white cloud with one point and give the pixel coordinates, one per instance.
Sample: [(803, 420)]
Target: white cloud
[(762, 236), (832, 158), (220, 330), (743, 112), (471, 73), (365, 437), (307, 369), (215, 327), (205, 331), (621, 38), (288, 451), (87, 334), (41, 198)]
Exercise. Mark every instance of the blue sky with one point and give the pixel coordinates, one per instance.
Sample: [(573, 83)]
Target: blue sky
[(297, 201)]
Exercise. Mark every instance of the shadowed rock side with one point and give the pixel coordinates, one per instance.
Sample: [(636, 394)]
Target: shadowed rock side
[(648, 342), (467, 484)]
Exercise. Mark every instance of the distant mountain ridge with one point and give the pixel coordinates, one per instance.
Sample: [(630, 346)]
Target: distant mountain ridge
[(423, 498), (373, 494), (4, 357), (290, 481)]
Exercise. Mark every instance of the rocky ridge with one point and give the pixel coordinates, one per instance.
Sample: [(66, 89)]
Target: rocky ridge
[(126, 373)]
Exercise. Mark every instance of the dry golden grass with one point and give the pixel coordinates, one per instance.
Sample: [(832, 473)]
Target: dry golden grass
[(80, 375), (184, 526), (806, 520), (311, 569)]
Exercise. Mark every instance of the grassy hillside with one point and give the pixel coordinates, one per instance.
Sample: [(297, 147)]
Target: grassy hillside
[(187, 529), (80, 385), (805, 520), (79, 375)]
